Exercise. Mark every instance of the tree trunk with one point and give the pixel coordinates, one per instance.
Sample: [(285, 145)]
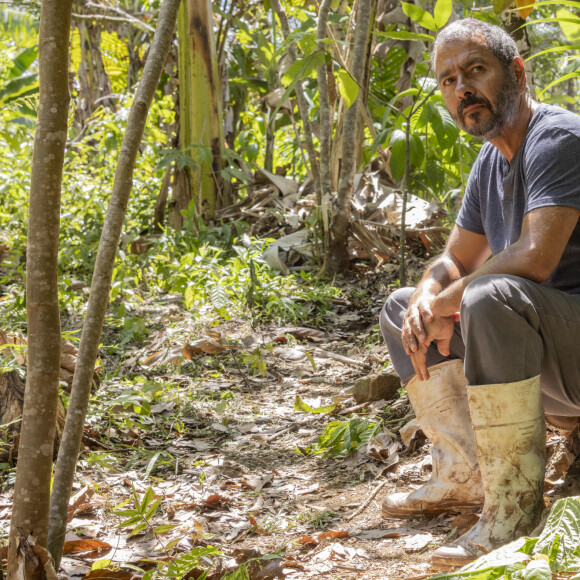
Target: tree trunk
[(302, 103), (336, 258), (513, 23), (102, 276), (200, 112), (94, 82), (32, 487)]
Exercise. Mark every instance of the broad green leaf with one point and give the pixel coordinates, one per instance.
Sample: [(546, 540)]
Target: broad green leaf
[(347, 87), (300, 405), (240, 573), (303, 67), (563, 523), (405, 35), (442, 12), (538, 570), (420, 16), (569, 23), (398, 153)]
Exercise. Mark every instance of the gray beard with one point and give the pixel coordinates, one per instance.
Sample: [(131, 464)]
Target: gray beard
[(505, 113)]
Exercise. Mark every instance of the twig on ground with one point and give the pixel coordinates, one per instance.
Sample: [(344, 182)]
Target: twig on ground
[(343, 359), (367, 501)]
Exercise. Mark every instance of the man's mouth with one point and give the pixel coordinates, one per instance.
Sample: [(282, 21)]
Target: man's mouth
[(472, 108)]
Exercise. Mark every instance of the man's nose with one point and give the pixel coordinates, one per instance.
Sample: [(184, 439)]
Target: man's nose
[(462, 87)]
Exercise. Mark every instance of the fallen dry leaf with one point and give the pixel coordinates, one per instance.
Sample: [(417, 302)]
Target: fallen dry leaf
[(82, 546), (104, 573), (215, 501), (332, 535)]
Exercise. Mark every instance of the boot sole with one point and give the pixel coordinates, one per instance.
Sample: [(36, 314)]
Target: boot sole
[(432, 511)]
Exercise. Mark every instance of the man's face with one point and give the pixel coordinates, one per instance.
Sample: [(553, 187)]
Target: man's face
[(482, 96)]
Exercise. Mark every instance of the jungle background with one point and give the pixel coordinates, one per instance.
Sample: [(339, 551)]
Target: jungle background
[(297, 165)]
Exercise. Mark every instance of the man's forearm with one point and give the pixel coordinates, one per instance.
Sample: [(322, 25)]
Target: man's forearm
[(514, 260), (443, 272)]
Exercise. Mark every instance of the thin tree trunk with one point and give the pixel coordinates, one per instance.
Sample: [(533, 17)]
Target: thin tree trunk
[(336, 258), (161, 201), (301, 100), (324, 101), (102, 275), (32, 487)]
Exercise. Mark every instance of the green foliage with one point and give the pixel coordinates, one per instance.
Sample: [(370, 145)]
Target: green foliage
[(140, 517), (300, 405), (557, 550), (341, 438)]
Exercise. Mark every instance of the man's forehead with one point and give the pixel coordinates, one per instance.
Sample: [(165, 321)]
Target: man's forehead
[(461, 48)]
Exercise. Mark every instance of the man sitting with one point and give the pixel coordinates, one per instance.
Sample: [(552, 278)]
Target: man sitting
[(479, 386)]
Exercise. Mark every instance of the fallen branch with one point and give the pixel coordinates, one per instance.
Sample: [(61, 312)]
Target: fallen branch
[(365, 504), (338, 357)]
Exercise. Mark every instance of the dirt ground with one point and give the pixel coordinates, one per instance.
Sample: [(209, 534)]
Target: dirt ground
[(225, 451)]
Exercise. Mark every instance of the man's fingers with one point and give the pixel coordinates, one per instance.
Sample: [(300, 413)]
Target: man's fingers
[(419, 360), (443, 346)]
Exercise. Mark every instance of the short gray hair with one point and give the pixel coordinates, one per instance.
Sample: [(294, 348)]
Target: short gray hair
[(497, 40)]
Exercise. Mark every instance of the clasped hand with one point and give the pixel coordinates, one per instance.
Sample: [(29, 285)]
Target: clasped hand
[(421, 327)]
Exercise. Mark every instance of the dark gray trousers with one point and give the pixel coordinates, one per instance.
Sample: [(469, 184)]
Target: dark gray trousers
[(511, 329)]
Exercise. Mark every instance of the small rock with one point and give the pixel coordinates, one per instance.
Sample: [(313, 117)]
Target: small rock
[(376, 387)]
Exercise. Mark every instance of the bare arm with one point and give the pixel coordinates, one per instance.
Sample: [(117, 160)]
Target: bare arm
[(545, 234)]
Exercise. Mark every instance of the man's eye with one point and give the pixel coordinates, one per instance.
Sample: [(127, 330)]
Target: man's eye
[(477, 68), (448, 81)]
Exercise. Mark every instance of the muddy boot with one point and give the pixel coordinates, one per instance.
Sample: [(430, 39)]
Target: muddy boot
[(442, 411), (510, 432)]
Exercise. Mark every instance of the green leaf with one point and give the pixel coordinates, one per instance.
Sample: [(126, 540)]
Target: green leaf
[(147, 499), (100, 564), (153, 509), (563, 522), (131, 521), (569, 23), (500, 5), (165, 528), (347, 87), (138, 528), (420, 16), (303, 68), (300, 405), (555, 49), (405, 35), (398, 153), (442, 12), (538, 570), (240, 573)]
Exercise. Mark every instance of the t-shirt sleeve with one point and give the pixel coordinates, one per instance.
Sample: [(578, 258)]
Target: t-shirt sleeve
[(552, 170), (469, 216)]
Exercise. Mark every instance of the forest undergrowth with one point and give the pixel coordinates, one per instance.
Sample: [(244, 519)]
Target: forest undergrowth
[(223, 439)]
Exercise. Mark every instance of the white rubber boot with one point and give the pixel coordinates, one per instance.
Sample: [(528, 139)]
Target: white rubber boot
[(510, 432), (440, 404)]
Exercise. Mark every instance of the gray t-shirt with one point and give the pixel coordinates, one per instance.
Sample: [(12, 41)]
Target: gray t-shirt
[(545, 171)]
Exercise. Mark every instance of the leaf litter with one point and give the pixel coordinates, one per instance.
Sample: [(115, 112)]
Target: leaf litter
[(218, 449)]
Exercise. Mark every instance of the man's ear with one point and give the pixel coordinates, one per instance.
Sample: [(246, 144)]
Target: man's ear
[(519, 71)]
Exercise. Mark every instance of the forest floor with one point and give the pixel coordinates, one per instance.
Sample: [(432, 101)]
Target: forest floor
[(206, 417)]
